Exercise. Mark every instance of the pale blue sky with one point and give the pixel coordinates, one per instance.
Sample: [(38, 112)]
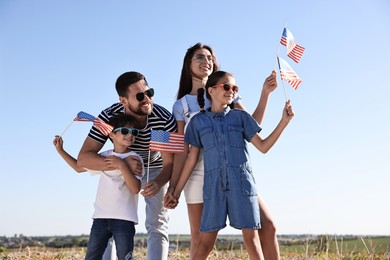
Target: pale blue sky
[(329, 172)]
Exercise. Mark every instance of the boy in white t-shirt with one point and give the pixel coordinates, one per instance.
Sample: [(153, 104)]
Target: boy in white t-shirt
[(117, 194)]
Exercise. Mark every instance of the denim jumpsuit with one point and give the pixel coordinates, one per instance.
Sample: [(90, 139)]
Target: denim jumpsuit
[(229, 187)]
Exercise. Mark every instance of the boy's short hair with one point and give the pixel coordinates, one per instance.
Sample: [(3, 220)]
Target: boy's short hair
[(121, 120)]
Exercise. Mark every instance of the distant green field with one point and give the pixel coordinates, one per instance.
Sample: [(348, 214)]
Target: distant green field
[(228, 247), (324, 246), (338, 246)]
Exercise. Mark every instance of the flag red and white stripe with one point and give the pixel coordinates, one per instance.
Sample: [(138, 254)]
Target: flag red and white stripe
[(288, 74), (102, 126)]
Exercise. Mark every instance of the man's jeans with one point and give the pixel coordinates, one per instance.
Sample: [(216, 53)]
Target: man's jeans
[(102, 229), (156, 222)]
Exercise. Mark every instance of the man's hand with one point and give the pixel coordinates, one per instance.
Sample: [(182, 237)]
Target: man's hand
[(115, 162), (135, 165), (150, 189)]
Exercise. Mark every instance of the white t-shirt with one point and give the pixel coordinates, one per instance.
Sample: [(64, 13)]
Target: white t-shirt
[(113, 198)]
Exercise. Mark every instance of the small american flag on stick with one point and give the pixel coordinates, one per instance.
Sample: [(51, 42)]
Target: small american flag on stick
[(163, 141), (288, 74), (98, 123), (294, 51)]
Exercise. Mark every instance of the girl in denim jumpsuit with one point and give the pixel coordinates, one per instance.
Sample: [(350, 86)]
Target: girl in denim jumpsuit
[(229, 187), (199, 63)]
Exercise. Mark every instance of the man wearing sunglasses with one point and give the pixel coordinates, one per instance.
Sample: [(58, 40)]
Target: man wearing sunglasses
[(136, 100)]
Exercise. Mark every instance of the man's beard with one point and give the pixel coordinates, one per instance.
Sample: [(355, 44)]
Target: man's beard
[(138, 110)]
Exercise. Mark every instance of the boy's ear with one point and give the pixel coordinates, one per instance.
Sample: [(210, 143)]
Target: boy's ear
[(111, 135)]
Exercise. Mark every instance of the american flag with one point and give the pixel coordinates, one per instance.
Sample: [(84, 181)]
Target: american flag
[(294, 51), (98, 123), (288, 74), (163, 141)]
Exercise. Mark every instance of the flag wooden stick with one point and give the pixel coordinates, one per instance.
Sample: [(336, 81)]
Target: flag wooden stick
[(66, 128), (284, 89), (147, 172), (276, 62)]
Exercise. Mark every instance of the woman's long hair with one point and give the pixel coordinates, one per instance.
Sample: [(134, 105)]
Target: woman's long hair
[(185, 85)]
